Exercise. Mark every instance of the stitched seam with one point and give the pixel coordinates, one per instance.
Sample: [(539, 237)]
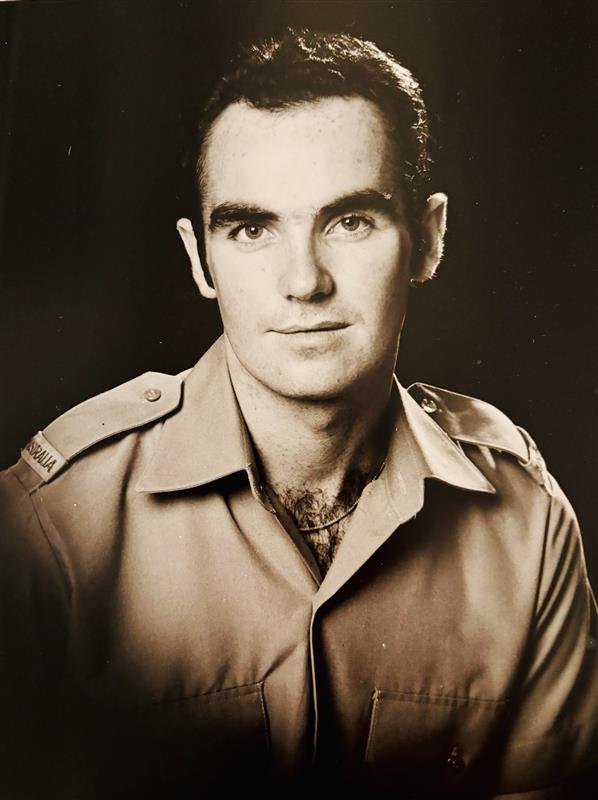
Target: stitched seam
[(55, 552), (385, 694), (376, 702), (478, 442), (27, 489), (542, 567), (265, 717), (187, 698)]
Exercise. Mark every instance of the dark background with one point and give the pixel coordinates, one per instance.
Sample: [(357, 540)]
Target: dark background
[(95, 100)]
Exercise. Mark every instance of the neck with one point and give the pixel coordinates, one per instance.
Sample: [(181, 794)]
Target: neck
[(331, 447)]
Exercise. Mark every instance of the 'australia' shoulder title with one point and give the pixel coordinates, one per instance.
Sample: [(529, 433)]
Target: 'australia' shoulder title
[(42, 457)]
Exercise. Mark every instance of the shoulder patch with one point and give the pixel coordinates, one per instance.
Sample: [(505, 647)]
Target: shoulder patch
[(471, 421), (42, 457), (139, 401)]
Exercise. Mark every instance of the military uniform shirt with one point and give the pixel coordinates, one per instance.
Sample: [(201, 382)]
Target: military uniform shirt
[(162, 634)]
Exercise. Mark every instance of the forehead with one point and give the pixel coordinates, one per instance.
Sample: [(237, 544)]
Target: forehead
[(300, 158)]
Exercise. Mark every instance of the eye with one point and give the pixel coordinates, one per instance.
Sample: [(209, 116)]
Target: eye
[(352, 226), (249, 232), (351, 223)]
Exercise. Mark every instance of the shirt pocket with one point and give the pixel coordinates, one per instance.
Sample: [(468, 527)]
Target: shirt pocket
[(430, 742), (181, 748)]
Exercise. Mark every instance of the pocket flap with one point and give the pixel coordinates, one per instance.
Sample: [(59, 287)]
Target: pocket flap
[(427, 739)]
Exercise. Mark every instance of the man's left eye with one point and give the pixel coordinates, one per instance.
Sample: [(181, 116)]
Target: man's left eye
[(351, 224)]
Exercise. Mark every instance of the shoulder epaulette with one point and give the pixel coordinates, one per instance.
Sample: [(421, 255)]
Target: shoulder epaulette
[(471, 421), (131, 405)]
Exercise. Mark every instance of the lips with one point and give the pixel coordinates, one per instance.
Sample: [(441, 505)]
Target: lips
[(326, 325)]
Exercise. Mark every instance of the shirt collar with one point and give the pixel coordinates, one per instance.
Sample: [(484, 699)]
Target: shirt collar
[(420, 447), (206, 439)]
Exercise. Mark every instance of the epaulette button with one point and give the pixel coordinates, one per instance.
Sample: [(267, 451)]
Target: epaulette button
[(152, 395), (429, 405)]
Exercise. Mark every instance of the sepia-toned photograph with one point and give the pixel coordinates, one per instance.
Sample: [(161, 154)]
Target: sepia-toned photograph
[(299, 356)]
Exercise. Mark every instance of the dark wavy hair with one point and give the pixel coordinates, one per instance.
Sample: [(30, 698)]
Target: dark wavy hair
[(303, 66)]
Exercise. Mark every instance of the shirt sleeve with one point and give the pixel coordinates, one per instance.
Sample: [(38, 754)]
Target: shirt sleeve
[(33, 623), (551, 741)]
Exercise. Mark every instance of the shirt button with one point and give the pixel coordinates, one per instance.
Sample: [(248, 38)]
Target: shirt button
[(429, 405), (152, 395), (455, 761)]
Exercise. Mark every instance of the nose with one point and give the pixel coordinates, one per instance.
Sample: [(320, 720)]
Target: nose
[(304, 274)]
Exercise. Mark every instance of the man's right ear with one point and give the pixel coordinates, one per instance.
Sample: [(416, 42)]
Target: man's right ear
[(187, 234)]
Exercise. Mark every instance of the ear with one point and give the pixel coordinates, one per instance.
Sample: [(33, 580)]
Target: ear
[(432, 229), (185, 229)]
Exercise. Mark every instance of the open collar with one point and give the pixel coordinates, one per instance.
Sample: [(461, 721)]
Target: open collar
[(420, 443), (206, 439)]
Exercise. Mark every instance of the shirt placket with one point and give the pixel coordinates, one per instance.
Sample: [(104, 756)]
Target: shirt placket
[(375, 520)]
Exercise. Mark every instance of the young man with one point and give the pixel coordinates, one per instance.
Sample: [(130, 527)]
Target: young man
[(281, 569)]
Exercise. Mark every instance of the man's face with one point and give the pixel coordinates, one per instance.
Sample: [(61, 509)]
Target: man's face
[(307, 245)]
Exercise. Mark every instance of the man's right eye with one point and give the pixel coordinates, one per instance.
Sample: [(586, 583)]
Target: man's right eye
[(249, 232)]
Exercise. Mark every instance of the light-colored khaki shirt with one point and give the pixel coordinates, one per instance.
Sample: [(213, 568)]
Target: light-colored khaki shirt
[(163, 633)]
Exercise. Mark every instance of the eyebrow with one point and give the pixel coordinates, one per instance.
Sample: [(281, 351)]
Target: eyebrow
[(366, 199), (228, 213)]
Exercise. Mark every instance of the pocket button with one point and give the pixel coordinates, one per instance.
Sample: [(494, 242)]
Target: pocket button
[(455, 761)]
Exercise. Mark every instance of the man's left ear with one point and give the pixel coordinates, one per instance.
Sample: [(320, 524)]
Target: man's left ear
[(432, 228)]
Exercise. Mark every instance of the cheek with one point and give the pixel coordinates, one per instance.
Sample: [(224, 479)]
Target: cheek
[(388, 309), (236, 303), (383, 278), (240, 293)]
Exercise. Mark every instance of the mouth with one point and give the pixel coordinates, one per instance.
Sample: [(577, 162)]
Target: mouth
[(319, 327)]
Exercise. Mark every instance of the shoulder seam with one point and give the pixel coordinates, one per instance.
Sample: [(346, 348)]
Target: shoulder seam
[(56, 555)]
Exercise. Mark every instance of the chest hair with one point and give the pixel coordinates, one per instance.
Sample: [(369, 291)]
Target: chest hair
[(315, 513)]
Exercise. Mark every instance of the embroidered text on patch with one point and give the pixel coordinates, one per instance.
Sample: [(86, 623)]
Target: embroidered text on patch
[(42, 457)]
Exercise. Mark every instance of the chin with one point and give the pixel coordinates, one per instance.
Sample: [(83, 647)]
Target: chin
[(310, 384)]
